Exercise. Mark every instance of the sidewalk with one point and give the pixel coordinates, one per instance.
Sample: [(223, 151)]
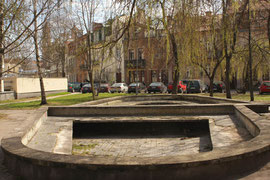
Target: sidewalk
[(10, 120)]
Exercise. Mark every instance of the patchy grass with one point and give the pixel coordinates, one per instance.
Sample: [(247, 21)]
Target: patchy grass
[(22, 105), (59, 101), (3, 116), (79, 98), (81, 149)]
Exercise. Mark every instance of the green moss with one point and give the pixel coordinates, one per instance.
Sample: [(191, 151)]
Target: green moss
[(84, 147)]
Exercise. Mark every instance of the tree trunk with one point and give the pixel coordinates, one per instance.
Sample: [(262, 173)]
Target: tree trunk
[(226, 50), (211, 86), (227, 78), (176, 62), (1, 41), (90, 65), (268, 28), (250, 55), (35, 36)]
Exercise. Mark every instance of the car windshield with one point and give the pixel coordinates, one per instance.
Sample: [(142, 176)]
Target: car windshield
[(104, 85), (134, 84), (185, 82), (266, 83), (116, 85), (87, 85), (194, 83), (76, 85), (155, 84)]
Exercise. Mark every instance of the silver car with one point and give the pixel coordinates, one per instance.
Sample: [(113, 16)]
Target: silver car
[(119, 87)]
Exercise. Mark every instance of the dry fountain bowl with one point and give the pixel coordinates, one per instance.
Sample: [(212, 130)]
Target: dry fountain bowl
[(220, 163)]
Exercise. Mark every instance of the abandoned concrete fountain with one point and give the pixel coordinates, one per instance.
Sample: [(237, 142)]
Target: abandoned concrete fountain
[(146, 137)]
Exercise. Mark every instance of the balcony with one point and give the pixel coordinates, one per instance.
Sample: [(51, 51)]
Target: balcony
[(132, 64)]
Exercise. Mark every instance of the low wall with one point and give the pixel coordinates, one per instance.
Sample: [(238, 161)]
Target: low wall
[(35, 94), (30, 87), (7, 95), (185, 97), (142, 110)]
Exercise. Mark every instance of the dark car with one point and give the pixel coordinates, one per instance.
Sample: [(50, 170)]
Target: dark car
[(195, 86), (105, 87), (87, 88), (157, 87), (74, 87), (264, 87), (218, 86), (132, 87)]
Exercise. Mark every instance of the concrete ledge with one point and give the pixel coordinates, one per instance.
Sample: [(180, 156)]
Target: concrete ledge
[(185, 97), (218, 164), (142, 110)]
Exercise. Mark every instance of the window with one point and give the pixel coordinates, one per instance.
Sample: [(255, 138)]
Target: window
[(131, 54), (140, 53), (143, 76), (92, 37), (100, 35), (118, 53), (154, 76)]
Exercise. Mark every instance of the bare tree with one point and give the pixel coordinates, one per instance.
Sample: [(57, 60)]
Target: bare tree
[(230, 23)]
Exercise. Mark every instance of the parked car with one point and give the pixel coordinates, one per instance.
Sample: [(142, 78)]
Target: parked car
[(141, 87), (183, 84), (170, 88), (264, 87), (87, 88), (218, 86), (119, 87), (105, 87), (157, 87), (181, 87), (74, 87), (196, 86)]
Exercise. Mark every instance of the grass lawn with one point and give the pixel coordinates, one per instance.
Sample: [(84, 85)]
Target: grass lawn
[(59, 101), (33, 98), (80, 98)]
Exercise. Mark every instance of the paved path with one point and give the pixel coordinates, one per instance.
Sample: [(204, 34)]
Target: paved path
[(9, 120)]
